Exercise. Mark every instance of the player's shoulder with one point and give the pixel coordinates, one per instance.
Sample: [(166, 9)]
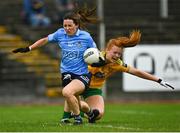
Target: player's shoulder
[(61, 31), (85, 33)]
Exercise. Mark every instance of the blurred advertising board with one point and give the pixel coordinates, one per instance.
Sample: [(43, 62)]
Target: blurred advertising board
[(162, 61)]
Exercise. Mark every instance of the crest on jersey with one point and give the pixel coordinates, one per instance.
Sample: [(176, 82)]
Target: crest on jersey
[(79, 45)]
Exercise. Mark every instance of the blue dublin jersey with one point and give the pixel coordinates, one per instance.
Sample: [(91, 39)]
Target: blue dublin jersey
[(72, 48)]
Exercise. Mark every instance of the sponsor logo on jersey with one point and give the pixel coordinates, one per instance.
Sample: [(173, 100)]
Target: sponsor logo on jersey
[(70, 54), (99, 75)]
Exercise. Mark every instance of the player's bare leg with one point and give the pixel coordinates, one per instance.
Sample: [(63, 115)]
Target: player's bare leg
[(96, 104), (86, 109), (71, 92)]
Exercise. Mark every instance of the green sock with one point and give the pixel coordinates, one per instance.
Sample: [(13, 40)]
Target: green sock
[(82, 114), (66, 114)]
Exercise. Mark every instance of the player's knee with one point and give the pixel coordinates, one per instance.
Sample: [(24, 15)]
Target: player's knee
[(101, 113), (66, 93)]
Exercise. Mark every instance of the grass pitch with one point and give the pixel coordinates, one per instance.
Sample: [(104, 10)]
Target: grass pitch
[(139, 117)]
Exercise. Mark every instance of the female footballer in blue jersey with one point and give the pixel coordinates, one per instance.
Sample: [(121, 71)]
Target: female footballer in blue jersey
[(73, 41)]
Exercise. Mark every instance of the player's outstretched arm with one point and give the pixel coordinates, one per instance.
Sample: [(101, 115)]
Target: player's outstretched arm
[(148, 76), (37, 44)]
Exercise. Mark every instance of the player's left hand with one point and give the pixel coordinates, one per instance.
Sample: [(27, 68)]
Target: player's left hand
[(165, 84)]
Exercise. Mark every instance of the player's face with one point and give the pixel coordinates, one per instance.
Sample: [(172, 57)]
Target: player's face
[(70, 27), (114, 53)]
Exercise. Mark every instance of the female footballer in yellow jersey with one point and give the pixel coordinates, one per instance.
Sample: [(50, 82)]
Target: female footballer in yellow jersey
[(94, 102), (100, 74)]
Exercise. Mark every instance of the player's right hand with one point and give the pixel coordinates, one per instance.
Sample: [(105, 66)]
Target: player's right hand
[(165, 84), (21, 50)]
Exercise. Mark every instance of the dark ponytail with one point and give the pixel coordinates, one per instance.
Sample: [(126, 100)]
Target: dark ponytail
[(82, 16)]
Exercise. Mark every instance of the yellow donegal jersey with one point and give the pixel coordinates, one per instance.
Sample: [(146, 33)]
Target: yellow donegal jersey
[(100, 74)]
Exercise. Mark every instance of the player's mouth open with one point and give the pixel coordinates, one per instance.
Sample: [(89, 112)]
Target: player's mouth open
[(114, 59)]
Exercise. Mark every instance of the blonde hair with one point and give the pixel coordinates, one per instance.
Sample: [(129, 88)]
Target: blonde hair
[(124, 42)]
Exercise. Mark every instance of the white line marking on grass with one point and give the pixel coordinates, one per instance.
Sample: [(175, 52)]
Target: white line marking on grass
[(114, 127), (132, 112)]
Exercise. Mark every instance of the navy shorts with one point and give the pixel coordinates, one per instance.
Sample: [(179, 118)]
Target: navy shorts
[(68, 77)]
